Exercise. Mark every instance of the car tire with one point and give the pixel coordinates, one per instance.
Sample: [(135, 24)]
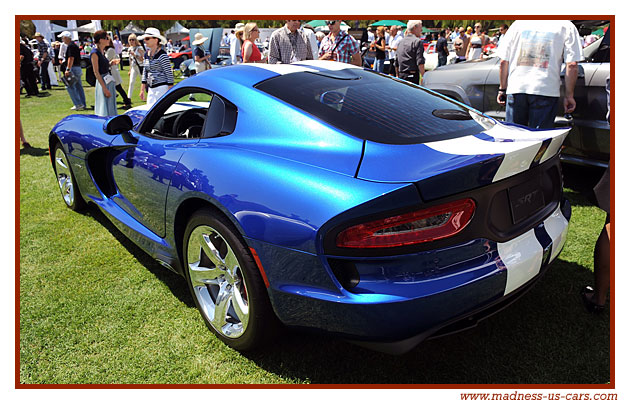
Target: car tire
[(225, 283), (66, 181)]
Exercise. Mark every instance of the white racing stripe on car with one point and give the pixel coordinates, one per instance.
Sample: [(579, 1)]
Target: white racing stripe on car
[(519, 152), (327, 64), (554, 147), (522, 257), (281, 68), (557, 227)]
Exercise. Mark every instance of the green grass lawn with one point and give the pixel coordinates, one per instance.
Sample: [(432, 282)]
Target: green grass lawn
[(96, 309)]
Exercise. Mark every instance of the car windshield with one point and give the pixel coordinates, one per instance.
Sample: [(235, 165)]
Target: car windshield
[(376, 107)]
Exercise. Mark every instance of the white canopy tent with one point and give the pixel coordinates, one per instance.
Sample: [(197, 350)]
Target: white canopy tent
[(72, 27), (177, 32), (131, 28), (91, 28)]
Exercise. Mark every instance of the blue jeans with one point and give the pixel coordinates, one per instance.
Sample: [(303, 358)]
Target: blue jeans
[(442, 60), (77, 95), (535, 111), (379, 65)]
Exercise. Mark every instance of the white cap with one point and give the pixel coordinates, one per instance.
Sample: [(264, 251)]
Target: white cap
[(65, 34)]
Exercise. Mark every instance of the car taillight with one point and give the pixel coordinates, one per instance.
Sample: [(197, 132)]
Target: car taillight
[(416, 227)]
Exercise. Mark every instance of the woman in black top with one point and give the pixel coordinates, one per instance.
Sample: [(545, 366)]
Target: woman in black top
[(105, 99), (379, 46)]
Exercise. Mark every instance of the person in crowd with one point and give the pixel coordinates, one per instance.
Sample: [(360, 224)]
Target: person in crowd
[(118, 47), (27, 72), (370, 34), (378, 46), (532, 54), (55, 56), (460, 50), (105, 99), (87, 48), (236, 42), (62, 56), (442, 49), (502, 31), (25, 144), (339, 46), (225, 41), (594, 297), (410, 53), (230, 37), (136, 61), (250, 51), (73, 72), (320, 36), (312, 39), (454, 35), (202, 61), (170, 47), (43, 61), (157, 76), (395, 36), (477, 41), (289, 44), (114, 61)]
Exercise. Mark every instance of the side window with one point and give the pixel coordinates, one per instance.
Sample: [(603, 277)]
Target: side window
[(181, 115)]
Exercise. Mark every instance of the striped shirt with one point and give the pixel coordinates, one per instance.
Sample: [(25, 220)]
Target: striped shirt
[(43, 48), (157, 70), (287, 47)]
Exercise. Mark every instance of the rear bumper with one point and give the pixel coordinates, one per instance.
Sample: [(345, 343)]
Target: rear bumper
[(403, 300)]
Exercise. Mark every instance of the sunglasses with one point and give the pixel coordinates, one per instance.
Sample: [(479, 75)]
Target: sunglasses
[(255, 29), (148, 37), (331, 22)]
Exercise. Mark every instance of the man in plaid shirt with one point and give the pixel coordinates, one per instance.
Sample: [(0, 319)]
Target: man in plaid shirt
[(339, 45), (289, 44)]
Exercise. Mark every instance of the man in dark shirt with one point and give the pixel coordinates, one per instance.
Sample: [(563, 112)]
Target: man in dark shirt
[(43, 61), (27, 72), (410, 53), (73, 72), (442, 49)]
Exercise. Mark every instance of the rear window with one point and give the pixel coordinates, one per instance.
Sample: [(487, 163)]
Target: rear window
[(375, 107)]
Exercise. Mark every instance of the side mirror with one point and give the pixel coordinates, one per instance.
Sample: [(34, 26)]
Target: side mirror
[(118, 124)]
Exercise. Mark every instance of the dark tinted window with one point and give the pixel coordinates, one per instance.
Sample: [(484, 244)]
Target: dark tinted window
[(374, 107)]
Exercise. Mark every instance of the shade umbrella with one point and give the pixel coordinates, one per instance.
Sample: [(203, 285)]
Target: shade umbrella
[(322, 23), (599, 32), (387, 23)]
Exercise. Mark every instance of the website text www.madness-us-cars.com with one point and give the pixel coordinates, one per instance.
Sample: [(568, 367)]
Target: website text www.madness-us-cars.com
[(516, 396)]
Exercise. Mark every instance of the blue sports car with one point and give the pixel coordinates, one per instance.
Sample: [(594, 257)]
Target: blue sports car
[(323, 196)]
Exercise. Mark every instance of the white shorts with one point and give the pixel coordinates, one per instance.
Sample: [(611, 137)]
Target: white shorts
[(155, 93)]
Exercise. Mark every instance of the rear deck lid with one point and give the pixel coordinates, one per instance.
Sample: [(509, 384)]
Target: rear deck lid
[(446, 167)]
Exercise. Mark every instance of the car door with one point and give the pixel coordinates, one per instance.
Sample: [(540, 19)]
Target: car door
[(146, 158)]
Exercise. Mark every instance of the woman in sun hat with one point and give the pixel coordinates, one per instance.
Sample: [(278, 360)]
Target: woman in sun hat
[(157, 77), (202, 62)]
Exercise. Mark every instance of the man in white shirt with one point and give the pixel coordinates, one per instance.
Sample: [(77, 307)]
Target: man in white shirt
[(235, 45), (532, 53), (395, 36)]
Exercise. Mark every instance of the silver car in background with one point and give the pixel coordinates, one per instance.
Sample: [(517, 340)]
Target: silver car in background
[(476, 83)]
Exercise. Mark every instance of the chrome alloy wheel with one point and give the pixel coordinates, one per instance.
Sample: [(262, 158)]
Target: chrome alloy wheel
[(217, 281), (64, 177)]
